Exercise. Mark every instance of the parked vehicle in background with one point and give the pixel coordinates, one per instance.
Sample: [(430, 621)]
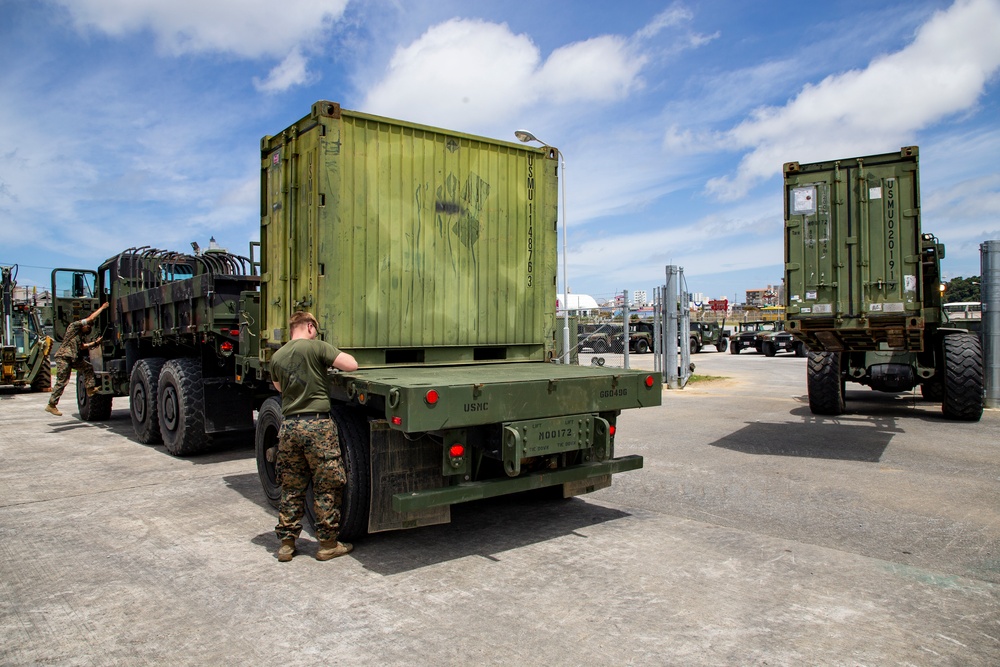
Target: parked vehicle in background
[(769, 343), (24, 347), (862, 286), (745, 336), (706, 334)]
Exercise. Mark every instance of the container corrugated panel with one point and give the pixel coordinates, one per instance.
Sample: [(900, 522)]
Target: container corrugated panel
[(853, 239), (411, 244)]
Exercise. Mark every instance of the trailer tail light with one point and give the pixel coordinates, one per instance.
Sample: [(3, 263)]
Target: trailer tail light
[(612, 430), (431, 397), (456, 450), (226, 348), (397, 421), (649, 381)]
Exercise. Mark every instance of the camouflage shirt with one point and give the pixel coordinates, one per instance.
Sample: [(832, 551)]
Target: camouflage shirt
[(300, 368), (72, 342)]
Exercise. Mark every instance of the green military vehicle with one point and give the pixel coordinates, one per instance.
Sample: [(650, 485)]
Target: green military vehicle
[(428, 255), (862, 286), (747, 336), (775, 340), (24, 347), (706, 334)]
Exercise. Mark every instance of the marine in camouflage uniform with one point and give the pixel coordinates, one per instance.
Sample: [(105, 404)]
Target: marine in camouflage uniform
[(308, 442), (71, 355)]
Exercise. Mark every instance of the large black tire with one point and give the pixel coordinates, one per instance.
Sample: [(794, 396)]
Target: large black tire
[(142, 392), (734, 346), (800, 349), (266, 438), (695, 347), (43, 380), (355, 447), (601, 347), (721, 345), (96, 408), (768, 349), (641, 346), (181, 407), (963, 377), (826, 383)]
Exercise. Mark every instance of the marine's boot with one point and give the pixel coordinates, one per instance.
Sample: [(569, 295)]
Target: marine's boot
[(53, 410), (286, 550), (332, 548)]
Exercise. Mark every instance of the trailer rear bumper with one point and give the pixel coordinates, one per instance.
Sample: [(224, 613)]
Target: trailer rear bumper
[(466, 491)]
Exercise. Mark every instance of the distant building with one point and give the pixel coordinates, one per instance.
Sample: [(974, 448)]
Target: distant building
[(769, 296), (639, 298)]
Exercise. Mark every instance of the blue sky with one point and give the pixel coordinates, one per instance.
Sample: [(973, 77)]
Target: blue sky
[(137, 122)]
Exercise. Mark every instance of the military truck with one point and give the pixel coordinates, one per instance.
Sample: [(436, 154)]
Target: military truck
[(606, 338), (770, 342), (24, 347), (428, 255), (862, 286), (705, 334), (746, 336)]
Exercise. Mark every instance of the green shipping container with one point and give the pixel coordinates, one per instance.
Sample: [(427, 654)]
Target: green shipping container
[(410, 244), (854, 252)]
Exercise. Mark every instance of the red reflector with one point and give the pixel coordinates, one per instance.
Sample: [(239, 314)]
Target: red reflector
[(226, 346), (397, 421), (456, 450), (234, 332), (431, 397), (612, 429), (649, 381)]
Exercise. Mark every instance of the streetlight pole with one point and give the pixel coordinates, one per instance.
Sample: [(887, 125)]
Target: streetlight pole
[(525, 136)]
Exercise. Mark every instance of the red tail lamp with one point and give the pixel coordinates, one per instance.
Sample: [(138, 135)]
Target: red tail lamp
[(612, 429), (397, 421), (456, 450), (431, 397), (649, 381), (226, 348)]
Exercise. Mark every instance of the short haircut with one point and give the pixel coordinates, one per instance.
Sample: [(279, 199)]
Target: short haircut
[(300, 319)]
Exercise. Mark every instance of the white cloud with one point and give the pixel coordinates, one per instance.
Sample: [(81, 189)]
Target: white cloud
[(290, 72), (942, 72), (247, 28), (472, 73)]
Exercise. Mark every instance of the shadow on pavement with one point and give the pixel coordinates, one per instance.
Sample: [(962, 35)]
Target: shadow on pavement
[(483, 528), (849, 439)]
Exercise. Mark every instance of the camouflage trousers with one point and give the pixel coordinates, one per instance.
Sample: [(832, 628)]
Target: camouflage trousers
[(309, 451), (64, 367)]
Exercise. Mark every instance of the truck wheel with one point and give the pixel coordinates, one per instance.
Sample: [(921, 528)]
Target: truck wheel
[(142, 400), (641, 346), (355, 447), (618, 347), (734, 346), (800, 349), (266, 438), (180, 404), (963, 377), (826, 383), (768, 349), (695, 347), (43, 380), (601, 347), (721, 345), (96, 408)]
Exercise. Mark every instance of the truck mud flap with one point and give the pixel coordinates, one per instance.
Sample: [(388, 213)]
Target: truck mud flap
[(576, 476), (399, 466)]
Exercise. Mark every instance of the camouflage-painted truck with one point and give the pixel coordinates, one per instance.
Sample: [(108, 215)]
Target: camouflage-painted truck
[(430, 256), (24, 347), (862, 286)]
